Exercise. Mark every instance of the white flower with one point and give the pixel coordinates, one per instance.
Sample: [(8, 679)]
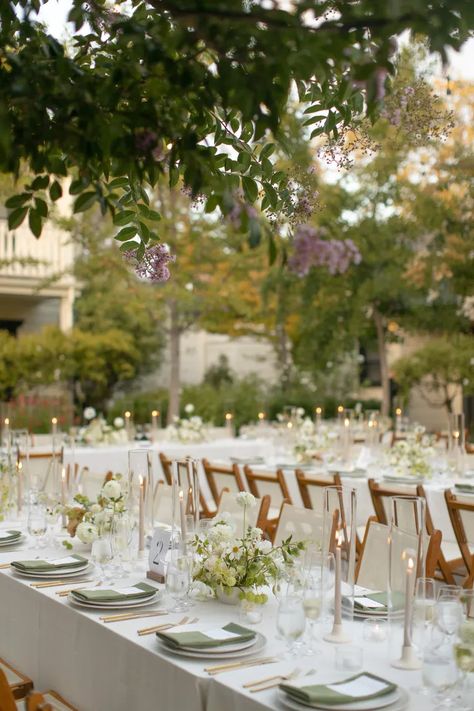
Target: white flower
[(264, 547), (189, 408), (95, 508), (112, 490), (86, 532), (220, 532), (245, 499), (89, 413), (200, 591), (118, 423)]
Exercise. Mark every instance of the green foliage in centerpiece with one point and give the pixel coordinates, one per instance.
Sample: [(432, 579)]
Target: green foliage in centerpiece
[(226, 561)]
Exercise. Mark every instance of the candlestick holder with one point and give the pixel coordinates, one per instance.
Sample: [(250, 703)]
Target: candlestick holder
[(339, 538), (406, 564), (185, 500)]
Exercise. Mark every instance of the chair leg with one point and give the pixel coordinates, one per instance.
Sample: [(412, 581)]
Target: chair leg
[(446, 571)]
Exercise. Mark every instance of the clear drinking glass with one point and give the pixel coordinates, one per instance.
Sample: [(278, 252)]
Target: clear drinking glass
[(467, 601), (291, 621), (37, 523), (449, 616), (101, 556), (425, 601), (312, 604), (178, 580), (121, 540), (449, 592), (440, 673)]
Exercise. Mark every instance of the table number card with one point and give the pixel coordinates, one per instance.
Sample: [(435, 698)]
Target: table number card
[(159, 547)]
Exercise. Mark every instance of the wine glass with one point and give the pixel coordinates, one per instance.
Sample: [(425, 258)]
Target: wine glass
[(449, 616), (121, 539), (424, 603), (312, 604), (467, 601), (440, 673), (449, 592), (37, 523), (291, 621), (178, 580), (101, 555)]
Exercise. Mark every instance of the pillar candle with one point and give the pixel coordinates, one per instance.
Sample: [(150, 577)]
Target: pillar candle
[(127, 416), (408, 603), (141, 517), (154, 419), (337, 587), (319, 413), (54, 426), (19, 474), (398, 419), (63, 497)]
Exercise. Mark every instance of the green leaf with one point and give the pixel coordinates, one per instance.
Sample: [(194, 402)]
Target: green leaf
[(40, 183), (250, 188), (55, 191), (254, 233), (211, 203), (77, 186), (124, 217), (144, 232), (118, 183), (125, 233), (17, 200), (271, 194), (85, 201), (41, 207), (272, 250), (148, 213), (16, 217), (127, 246), (35, 222), (267, 150)]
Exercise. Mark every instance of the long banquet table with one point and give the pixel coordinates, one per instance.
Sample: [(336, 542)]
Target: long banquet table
[(99, 667)]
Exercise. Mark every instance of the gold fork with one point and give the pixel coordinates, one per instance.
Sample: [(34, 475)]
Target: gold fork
[(221, 668), (161, 628), (132, 616), (57, 583)]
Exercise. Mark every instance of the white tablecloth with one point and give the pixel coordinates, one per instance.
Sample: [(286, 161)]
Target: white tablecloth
[(100, 667)]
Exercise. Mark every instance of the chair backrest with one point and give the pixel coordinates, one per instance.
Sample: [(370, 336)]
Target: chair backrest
[(267, 483), (43, 470), (220, 477), (7, 700), (303, 524), (461, 513), (312, 489), (372, 569), (381, 499), (37, 702), (166, 465), (257, 516)]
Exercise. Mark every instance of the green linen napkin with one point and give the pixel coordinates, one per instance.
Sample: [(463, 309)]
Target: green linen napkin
[(350, 690), (398, 600), (467, 488), (142, 591), (38, 566), (200, 640), (10, 536)]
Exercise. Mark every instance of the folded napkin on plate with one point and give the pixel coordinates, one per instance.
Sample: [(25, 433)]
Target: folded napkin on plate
[(38, 566), (468, 488), (230, 634), (9, 536), (377, 601), (248, 460), (140, 591), (361, 687)]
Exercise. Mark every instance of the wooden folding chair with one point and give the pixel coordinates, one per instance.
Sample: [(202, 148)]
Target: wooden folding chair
[(461, 513), (167, 467), (304, 524), (256, 516), (220, 477), (273, 485), (372, 568), (47, 701), (312, 488), (381, 496), (19, 684), (7, 699)]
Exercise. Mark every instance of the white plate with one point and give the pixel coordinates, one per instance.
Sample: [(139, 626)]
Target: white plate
[(259, 643), (112, 605), (57, 574), (14, 542), (394, 701), (403, 479)]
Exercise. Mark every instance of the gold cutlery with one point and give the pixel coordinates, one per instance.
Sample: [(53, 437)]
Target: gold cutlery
[(4, 565), (57, 583), (271, 681), (161, 628), (130, 616), (218, 669)]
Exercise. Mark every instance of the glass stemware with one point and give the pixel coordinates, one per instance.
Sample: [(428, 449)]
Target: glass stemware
[(121, 539), (101, 556), (440, 673), (312, 604), (178, 580), (37, 523), (291, 621)]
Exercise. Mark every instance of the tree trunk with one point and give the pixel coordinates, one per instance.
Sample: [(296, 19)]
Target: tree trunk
[(175, 347), (384, 374)]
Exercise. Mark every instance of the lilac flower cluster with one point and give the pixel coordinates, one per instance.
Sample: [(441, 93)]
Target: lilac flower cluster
[(234, 216), (146, 143), (310, 249), (153, 266)]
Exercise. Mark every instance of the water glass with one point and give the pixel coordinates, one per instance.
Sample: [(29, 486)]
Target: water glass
[(37, 523), (440, 673), (349, 658), (101, 556), (449, 616), (312, 604), (467, 601), (178, 580), (291, 621), (121, 540), (447, 592)]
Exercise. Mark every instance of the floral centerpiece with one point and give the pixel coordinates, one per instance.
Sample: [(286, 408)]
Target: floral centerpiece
[(90, 519), (188, 429), (97, 431), (228, 563), (411, 457), (312, 441), (5, 486)]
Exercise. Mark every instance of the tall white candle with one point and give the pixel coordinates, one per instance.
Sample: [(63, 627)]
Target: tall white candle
[(128, 424), (54, 426), (261, 418), (63, 497), (19, 474), (337, 587), (319, 414), (154, 419), (228, 423), (6, 431), (398, 419), (141, 516), (408, 602)]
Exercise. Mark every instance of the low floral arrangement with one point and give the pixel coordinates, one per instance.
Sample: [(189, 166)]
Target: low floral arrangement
[(4, 487), (312, 441), (97, 431), (226, 562), (189, 429), (411, 457), (90, 519)]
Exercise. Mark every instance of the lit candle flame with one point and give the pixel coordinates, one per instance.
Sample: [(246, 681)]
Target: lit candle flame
[(347, 422), (228, 415), (339, 538), (7, 421), (128, 414), (54, 421), (319, 410), (181, 496), (398, 411), (340, 408), (63, 474), (155, 413), (261, 415)]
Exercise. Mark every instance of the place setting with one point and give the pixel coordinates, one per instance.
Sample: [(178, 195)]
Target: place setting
[(204, 641), (10, 538), (71, 566), (97, 598)]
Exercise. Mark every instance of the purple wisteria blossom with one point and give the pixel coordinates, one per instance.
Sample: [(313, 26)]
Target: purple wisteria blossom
[(153, 266), (310, 249)]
